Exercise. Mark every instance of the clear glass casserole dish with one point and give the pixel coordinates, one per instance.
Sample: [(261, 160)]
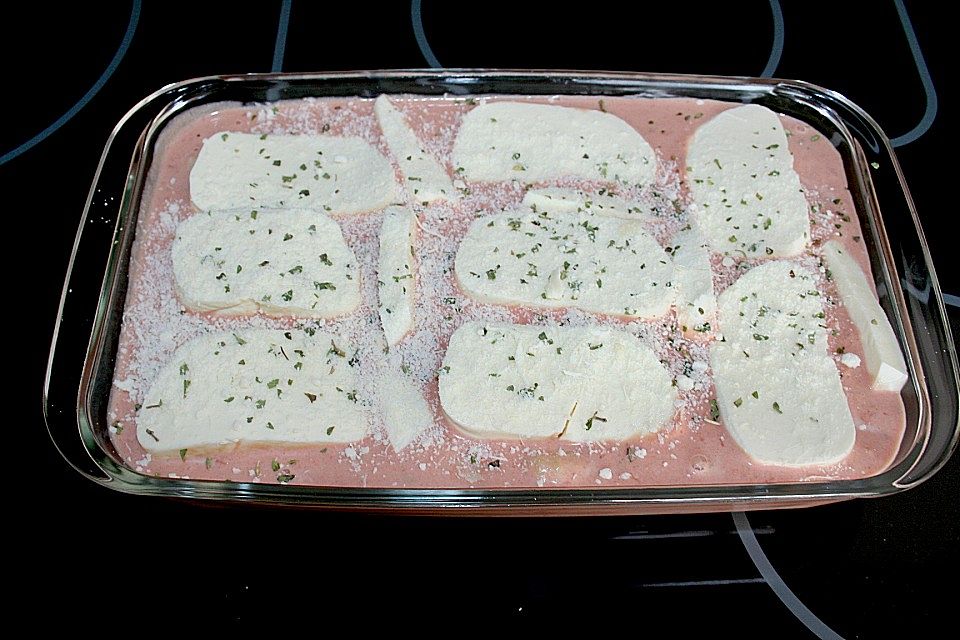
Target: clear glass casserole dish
[(75, 396)]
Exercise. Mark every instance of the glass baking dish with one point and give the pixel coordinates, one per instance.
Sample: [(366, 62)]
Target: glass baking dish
[(82, 355)]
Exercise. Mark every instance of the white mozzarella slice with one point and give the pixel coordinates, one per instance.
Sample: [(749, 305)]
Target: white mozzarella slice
[(747, 196), (405, 411), (880, 348), (396, 276), (253, 385), (533, 142), (576, 383), (778, 391), (774, 308), (799, 415), (594, 263), (426, 179), (324, 173), (281, 262), (693, 282)]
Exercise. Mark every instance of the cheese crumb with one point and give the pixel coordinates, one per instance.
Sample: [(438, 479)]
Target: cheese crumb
[(851, 360)]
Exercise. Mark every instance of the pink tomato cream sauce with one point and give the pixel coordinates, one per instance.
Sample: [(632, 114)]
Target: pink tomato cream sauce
[(689, 450)]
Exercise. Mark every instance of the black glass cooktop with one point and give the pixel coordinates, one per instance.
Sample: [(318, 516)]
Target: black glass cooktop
[(863, 569)]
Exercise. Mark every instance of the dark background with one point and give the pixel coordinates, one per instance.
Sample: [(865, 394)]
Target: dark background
[(867, 568)]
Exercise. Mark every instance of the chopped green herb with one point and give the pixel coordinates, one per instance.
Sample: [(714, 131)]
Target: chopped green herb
[(589, 422), (335, 350), (714, 410)]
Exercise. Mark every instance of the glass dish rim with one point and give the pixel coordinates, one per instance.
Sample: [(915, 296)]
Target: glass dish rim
[(121, 477)]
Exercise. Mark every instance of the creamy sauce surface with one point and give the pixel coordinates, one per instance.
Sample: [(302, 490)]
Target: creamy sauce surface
[(691, 449)]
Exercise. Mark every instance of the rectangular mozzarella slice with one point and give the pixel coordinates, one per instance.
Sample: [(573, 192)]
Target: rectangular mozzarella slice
[(746, 194), (253, 385), (281, 262), (396, 276), (799, 415), (774, 308), (533, 142), (405, 411), (693, 282), (425, 178), (602, 202), (324, 173), (778, 391), (591, 262), (576, 383), (880, 348)]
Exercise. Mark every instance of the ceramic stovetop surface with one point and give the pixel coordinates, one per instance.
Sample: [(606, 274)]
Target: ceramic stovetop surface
[(861, 569)]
